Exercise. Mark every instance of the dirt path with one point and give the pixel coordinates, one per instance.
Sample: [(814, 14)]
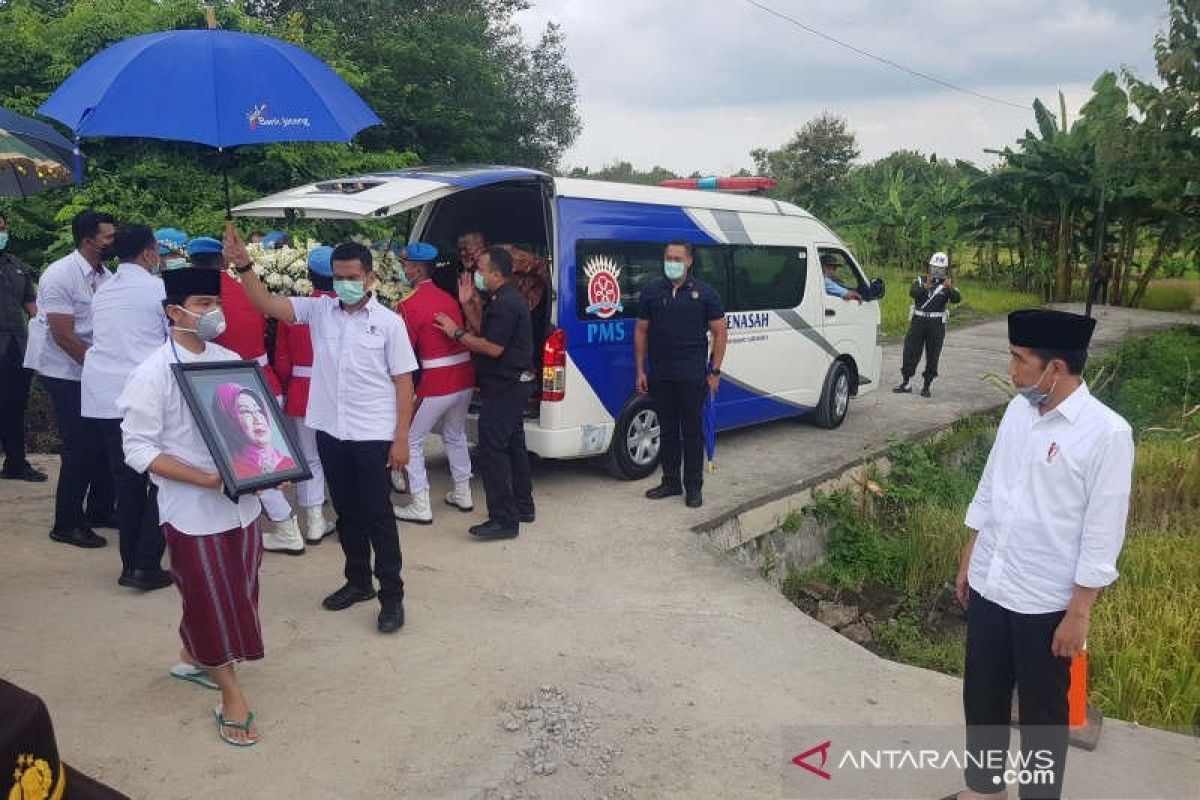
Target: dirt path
[(605, 653)]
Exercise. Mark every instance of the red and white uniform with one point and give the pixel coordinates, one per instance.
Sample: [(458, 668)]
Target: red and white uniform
[(245, 328), (446, 385), (293, 366)]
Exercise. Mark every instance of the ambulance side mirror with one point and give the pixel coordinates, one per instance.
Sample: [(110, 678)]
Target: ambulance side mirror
[(877, 289)]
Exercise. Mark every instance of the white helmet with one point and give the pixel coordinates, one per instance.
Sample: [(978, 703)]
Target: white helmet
[(940, 260)]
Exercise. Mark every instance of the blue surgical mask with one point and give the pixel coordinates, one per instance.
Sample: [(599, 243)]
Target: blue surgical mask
[(479, 284), (674, 269), (350, 292), (1037, 396), (3, 239)]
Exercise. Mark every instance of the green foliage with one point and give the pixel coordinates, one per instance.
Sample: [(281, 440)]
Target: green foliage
[(1176, 296), (452, 81), (1148, 380), (811, 166), (624, 172)]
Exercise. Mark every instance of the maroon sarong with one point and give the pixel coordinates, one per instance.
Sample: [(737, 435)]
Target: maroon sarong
[(217, 577)]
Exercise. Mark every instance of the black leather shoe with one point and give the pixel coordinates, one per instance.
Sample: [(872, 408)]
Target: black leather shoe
[(925, 391), (391, 618), (528, 519), (145, 579), (80, 537), (103, 522), (347, 596), (491, 530), (27, 473), (663, 490), (903, 388), (694, 500)]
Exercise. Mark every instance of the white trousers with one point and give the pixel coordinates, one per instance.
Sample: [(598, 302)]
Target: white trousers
[(446, 415), (312, 491)]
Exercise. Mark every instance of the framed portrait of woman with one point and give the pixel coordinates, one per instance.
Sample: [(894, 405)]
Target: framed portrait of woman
[(252, 443)]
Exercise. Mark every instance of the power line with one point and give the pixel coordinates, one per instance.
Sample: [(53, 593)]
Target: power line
[(882, 59)]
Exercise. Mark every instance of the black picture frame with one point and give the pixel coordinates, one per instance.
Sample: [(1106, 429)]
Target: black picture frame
[(221, 414)]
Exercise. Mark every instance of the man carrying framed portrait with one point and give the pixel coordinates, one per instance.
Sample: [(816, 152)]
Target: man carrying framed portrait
[(211, 532)]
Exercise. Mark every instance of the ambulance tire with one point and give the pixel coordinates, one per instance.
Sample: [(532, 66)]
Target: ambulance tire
[(835, 397), (619, 462)]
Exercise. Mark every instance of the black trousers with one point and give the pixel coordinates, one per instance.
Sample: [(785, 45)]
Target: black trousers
[(142, 542), (14, 396), (503, 461), (923, 334), (360, 487), (1006, 648), (84, 474), (680, 407)]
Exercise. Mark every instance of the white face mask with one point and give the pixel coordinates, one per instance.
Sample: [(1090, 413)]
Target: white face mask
[(1036, 396), (209, 325)]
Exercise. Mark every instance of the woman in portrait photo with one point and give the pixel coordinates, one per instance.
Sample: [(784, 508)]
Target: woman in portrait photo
[(245, 428)]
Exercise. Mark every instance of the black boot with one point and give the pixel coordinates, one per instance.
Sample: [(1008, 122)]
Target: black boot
[(903, 388), (925, 390)]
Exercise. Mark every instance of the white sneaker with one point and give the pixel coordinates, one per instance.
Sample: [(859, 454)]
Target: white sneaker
[(417, 510), (283, 537), (316, 527), (399, 484), (460, 498)]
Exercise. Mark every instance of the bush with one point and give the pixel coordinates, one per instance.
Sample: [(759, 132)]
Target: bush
[(1167, 297)]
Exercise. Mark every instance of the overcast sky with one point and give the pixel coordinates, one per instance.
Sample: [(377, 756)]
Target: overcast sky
[(696, 84)]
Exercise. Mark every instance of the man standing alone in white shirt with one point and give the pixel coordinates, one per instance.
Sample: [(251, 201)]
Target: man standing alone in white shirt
[(128, 324), (360, 403), (1047, 522), (59, 338)]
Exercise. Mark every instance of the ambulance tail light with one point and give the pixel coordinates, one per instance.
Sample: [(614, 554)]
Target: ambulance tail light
[(554, 367)]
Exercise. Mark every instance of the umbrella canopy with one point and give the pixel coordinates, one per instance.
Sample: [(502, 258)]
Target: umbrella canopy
[(33, 156), (214, 87)]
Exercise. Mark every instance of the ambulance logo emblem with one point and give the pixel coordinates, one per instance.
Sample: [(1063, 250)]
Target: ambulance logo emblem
[(603, 287)]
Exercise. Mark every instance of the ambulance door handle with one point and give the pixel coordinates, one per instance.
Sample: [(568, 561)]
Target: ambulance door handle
[(829, 312)]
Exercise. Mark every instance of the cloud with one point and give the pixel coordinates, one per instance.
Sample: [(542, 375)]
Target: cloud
[(694, 84)]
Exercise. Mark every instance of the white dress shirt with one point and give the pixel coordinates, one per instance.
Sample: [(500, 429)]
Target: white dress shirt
[(128, 323), (157, 421), (1051, 505), (355, 356), (66, 287)]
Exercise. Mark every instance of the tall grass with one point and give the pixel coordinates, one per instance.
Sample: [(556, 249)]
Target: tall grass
[(1173, 294), (980, 300)]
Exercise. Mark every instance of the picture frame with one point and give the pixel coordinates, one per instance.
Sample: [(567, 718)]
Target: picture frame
[(251, 441)]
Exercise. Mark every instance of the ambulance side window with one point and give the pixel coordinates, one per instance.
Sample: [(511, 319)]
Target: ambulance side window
[(766, 278)]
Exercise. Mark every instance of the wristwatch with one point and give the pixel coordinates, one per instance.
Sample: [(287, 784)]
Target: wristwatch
[(242, 270), (714, 371), (458, 334)]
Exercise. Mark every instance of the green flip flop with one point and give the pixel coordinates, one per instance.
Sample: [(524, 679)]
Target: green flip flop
[(191, 674), (223, 723)]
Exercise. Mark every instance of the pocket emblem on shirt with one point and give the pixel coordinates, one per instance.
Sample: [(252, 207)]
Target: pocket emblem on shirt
[(1052, 453)]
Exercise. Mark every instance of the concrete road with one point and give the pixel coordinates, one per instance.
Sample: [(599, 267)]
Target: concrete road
[(608, 646)]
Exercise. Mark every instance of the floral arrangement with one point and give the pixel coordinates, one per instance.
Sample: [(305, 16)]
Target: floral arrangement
[(284, 270)]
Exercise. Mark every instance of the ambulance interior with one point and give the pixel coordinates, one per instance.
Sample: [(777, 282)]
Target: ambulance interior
[(516, 213)]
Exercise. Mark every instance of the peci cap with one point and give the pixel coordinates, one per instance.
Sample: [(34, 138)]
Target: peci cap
[(188, 281), (1047, 329)]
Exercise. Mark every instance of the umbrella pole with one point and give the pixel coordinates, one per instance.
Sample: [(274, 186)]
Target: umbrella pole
[(225, 182), (17, 176), (77, 163)]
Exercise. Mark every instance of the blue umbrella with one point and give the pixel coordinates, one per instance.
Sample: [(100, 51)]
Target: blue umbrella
[(214, 87), (33, 156), (710, 429)]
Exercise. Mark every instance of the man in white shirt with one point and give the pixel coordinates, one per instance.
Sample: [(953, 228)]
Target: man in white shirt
[(128, 324), (1047, 522), (59, 337), (214, 542), (360, 403)]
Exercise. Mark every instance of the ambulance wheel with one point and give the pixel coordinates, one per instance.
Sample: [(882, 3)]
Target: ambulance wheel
[(835, 399), (633, 454)]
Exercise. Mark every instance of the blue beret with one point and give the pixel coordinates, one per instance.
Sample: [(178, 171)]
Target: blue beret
[(273, 239), (318, 261), (204, 244), (170, 240), (420, 251)]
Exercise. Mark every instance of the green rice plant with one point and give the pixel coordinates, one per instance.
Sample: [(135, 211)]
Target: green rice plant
[(1166, 482), (1144, 643), (1176, 294)]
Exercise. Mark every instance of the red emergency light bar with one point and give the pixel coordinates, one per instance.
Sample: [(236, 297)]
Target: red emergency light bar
[(744, 185)]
